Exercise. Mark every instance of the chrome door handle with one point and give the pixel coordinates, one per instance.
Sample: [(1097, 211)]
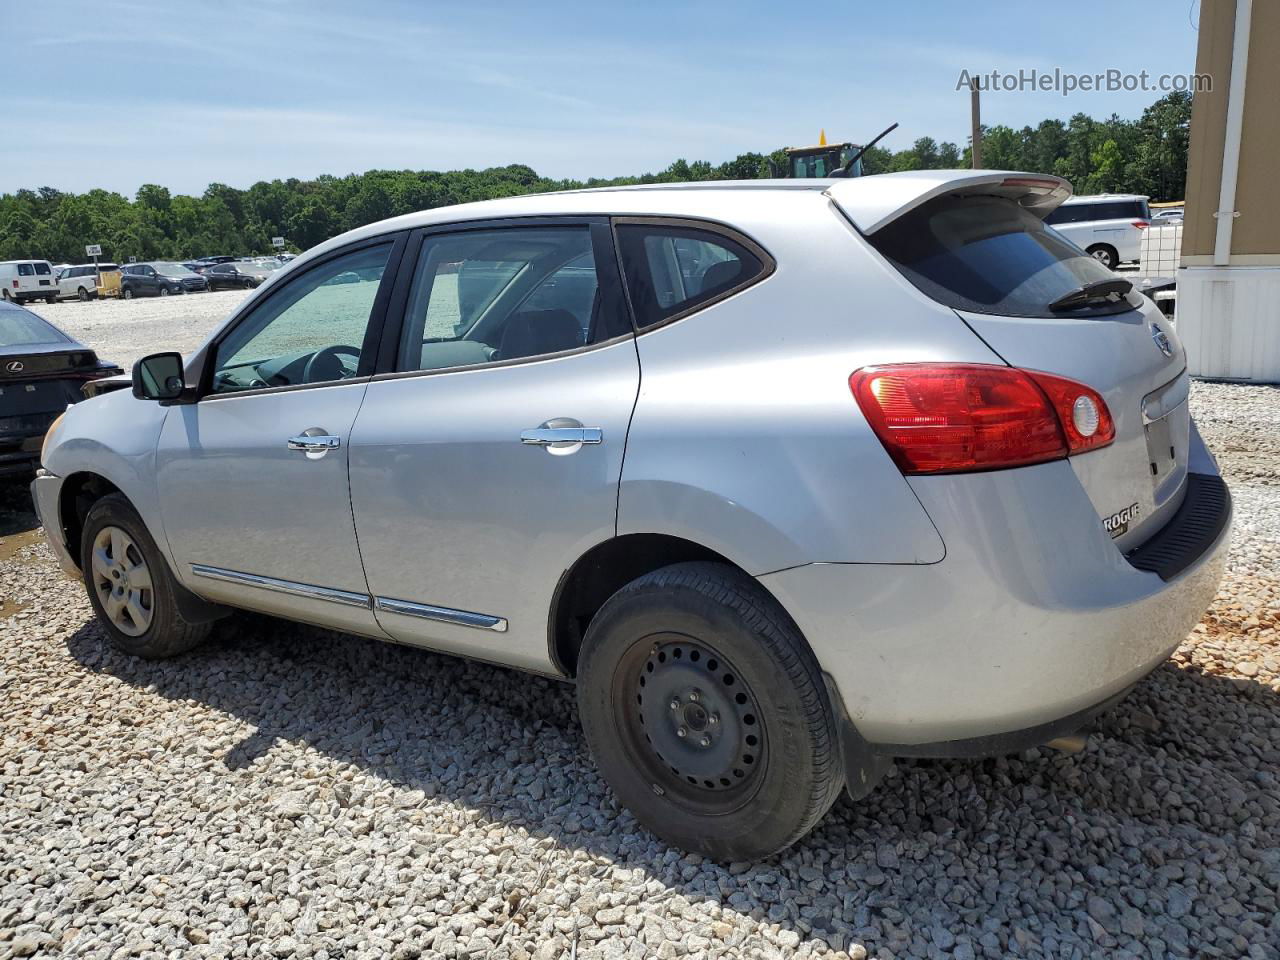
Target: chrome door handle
[(548, 435), (314, 444)]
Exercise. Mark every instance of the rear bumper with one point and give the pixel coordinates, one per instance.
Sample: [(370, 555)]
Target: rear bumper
[(19, 458), (1032, 622)]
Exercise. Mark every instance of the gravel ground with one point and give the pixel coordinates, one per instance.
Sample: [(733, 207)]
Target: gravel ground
[(291, 792), (124, 330)]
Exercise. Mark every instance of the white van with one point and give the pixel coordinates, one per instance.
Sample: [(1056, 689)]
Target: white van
[(23, 280), (1107, 226)]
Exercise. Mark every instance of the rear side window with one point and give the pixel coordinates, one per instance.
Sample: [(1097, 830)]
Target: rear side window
[(674, 269), (1111, 210), (26, 270), (989, 255), (510, 293)]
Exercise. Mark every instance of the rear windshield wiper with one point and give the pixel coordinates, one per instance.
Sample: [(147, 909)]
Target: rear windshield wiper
[(1111, 290)]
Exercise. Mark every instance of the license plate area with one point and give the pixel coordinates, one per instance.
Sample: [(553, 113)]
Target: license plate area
[(1162, 454)]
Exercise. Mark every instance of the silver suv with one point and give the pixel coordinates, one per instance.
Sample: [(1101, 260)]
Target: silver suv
[(792, 478)]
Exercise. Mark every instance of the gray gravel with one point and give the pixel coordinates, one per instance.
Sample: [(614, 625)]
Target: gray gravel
[(291, 792)]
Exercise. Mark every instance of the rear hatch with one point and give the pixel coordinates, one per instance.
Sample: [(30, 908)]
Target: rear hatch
[(976, 243)]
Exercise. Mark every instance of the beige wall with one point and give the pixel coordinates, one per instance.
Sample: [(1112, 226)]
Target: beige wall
[(1256, 234)]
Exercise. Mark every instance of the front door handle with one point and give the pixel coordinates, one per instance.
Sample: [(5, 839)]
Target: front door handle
[(544, 436), (316, 444)]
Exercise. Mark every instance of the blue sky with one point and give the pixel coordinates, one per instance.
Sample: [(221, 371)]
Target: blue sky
[(117, 93)]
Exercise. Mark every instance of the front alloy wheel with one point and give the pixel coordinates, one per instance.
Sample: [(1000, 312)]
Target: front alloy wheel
[(122, 581), (130, 586)]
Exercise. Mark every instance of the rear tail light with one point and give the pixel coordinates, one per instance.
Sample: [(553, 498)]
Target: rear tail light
[(950, 418), (15, 284), (1141, 224)]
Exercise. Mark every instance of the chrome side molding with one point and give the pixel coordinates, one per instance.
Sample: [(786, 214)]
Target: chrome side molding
[(425, 611), (481, 621), (311, 591)]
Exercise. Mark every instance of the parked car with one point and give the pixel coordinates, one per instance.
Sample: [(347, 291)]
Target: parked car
[(1166, 217), (24, 280), (81, 280), (210, 261), (159, 279), (42, 370), (909, 476), (1107, 226), (224, 276)]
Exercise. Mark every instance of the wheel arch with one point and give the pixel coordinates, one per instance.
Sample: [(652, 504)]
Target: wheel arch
[(599, 573), (78, 493)]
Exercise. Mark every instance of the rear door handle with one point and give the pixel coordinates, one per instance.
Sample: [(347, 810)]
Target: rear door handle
[(549, 435), (314, 444)]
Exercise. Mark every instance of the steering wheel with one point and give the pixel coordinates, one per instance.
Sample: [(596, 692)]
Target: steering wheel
[(324, 364)]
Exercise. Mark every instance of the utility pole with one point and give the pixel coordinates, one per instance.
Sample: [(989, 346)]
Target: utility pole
[(975, 134)]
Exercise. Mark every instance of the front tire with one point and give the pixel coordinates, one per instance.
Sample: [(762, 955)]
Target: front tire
[(130, 586), (127, 293), (707, 713), (164, 291)]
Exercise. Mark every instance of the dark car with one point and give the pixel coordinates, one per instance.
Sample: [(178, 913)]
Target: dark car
[(159, 279), (204, 263), (223, 276), (42, 370)]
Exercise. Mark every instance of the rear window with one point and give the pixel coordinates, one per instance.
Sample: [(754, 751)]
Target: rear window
[(1110, 210), (989, 255), (18, 328), (43, 269), (674, 269)]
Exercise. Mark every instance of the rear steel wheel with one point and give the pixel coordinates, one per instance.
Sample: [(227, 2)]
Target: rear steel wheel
[(707, 712), (695, 726)]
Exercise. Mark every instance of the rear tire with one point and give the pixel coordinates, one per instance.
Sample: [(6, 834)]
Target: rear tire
[(83, 295), (52, 299), (4, 294), (1105, 255), (707, 713), (130, 586)]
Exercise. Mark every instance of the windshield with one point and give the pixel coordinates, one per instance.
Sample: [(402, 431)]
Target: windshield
[(19, 328), (172, 270), (989, 255)]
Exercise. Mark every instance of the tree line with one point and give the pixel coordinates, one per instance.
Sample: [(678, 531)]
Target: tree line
[(1147, 155)]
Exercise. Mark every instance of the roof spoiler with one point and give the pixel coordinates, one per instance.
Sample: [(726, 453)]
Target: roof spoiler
[(872, 202)]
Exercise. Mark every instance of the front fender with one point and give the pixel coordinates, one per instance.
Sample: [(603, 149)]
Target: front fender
[(113, 436)]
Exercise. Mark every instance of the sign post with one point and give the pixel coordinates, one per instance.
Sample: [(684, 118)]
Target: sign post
[(95, 250)]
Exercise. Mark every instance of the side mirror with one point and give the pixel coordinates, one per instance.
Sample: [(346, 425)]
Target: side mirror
[(159, 377)]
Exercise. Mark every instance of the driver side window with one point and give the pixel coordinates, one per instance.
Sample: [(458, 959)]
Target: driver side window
[(311, 330)]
